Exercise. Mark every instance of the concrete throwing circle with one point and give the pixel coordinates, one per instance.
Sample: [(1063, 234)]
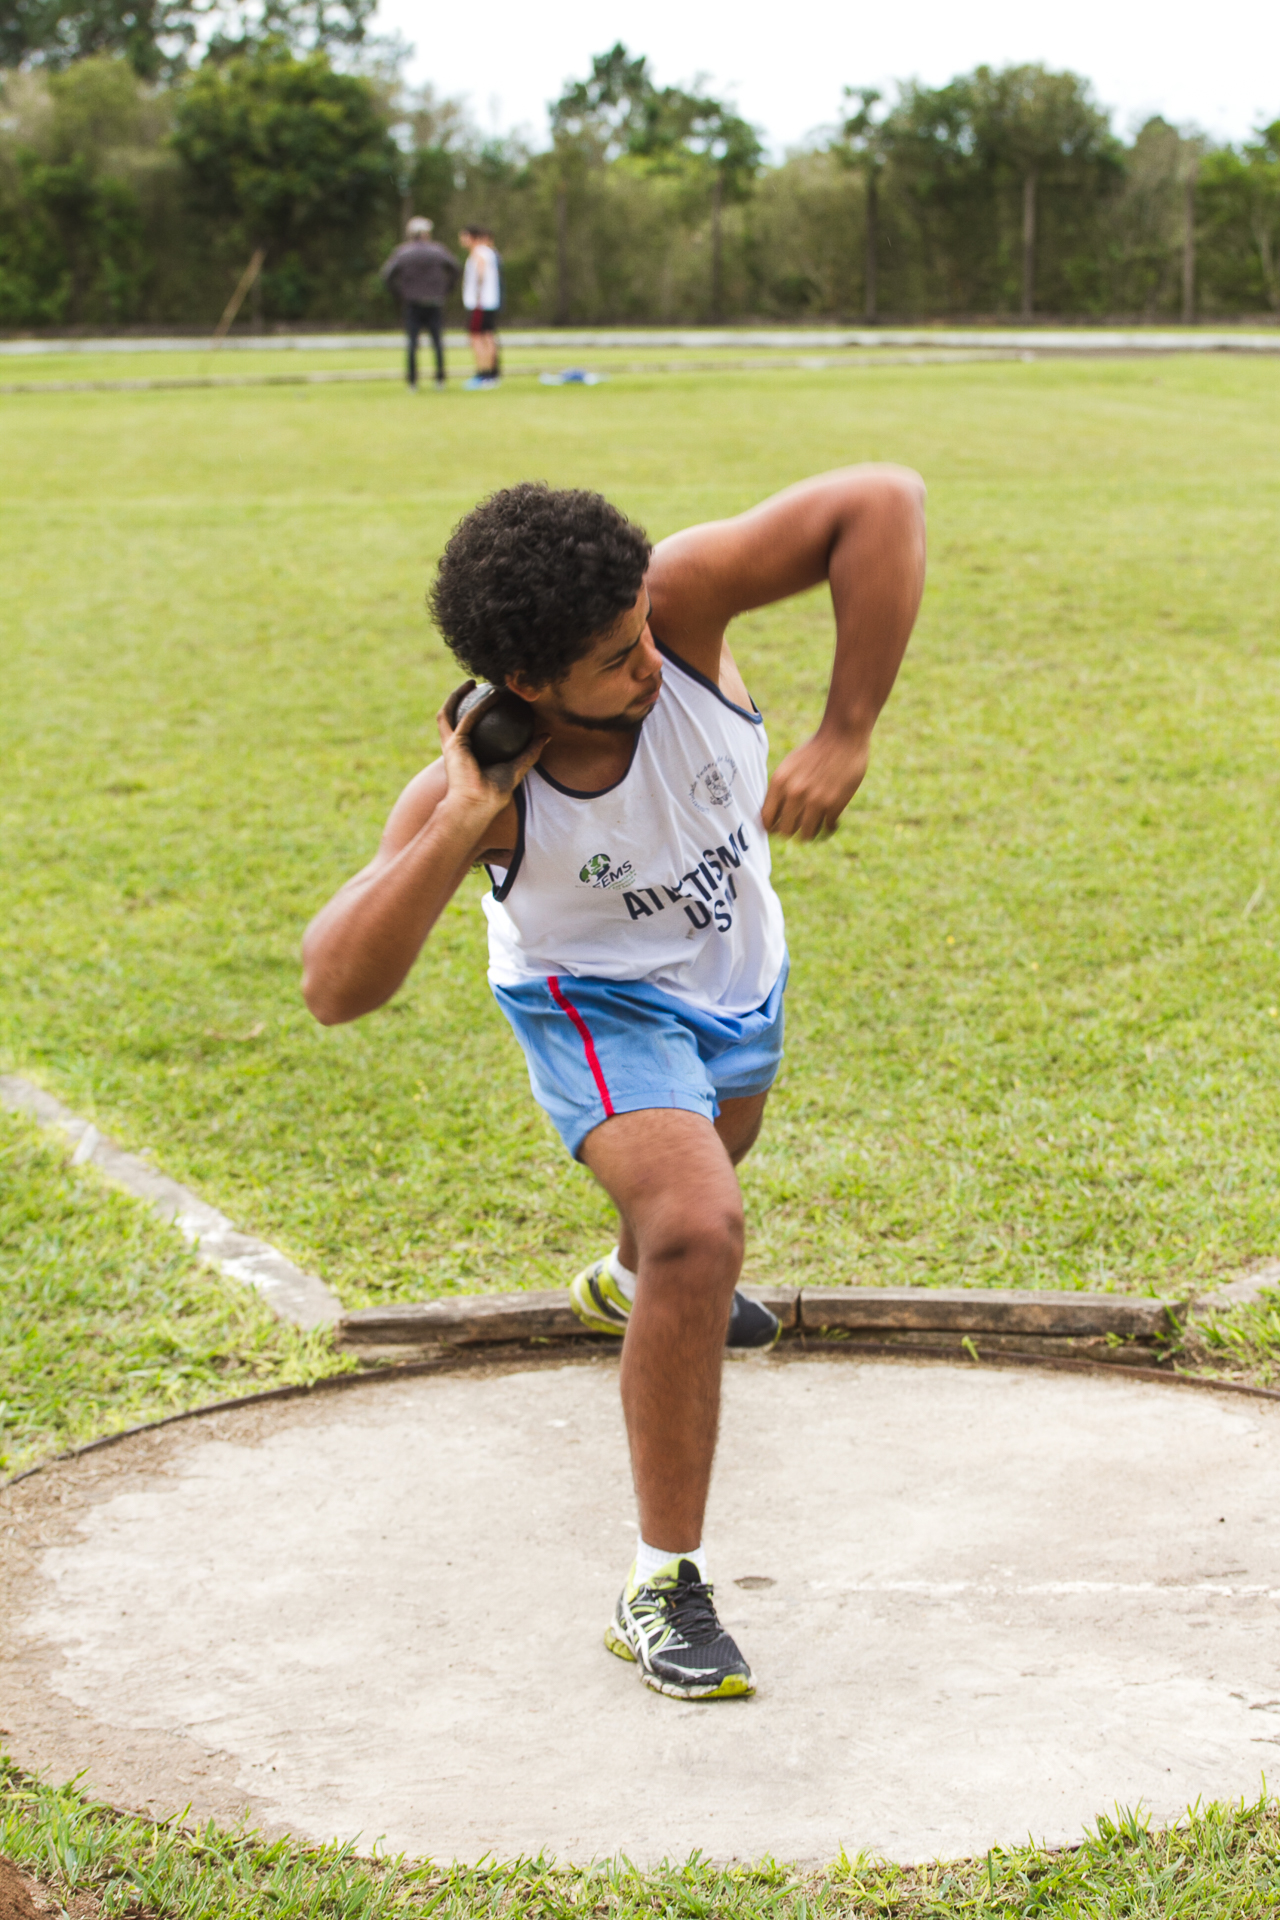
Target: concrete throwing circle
[(979, 1605)]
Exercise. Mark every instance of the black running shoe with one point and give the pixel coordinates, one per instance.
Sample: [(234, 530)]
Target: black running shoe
[(752, 1325), (669, 1627), (600, 1304)]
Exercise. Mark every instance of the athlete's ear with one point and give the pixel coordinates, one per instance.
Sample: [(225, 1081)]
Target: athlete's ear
[(521, 684)]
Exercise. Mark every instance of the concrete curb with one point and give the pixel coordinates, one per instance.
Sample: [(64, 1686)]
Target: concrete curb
[(1101, 1327), (1246, 1291), (290, 1293), (1095, 1328)]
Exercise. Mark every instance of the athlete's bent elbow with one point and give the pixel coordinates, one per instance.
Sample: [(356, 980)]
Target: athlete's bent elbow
[(900, 487)]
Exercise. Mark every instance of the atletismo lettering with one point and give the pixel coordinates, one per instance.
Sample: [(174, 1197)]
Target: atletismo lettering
[(711, 884)]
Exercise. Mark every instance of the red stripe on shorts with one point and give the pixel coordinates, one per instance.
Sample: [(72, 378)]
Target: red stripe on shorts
[(588, 1044)]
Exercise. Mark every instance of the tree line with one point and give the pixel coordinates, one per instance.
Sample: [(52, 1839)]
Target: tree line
[(136, 182)]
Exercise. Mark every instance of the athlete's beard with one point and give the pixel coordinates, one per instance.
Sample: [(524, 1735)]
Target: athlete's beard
[(612, 723), (616, 723)]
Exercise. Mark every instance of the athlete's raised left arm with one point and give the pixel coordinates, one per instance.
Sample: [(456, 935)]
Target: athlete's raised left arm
[(862, 530)]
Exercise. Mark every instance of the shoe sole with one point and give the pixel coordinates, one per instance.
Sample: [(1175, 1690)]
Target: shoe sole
[(763, 1346), (616, 1644), (735, 1686)]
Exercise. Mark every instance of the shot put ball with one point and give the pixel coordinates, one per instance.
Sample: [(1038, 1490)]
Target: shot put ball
[(503, 731)]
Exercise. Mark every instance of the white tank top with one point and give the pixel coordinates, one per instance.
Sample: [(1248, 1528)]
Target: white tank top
[(663, 877), (480, 284)]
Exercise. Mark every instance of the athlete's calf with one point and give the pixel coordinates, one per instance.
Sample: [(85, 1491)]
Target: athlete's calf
[(670, 1177)]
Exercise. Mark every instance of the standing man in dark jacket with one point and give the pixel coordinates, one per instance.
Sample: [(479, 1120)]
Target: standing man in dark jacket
[(422, 274)]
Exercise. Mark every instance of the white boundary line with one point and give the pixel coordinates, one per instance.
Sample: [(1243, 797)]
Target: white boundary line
[(291, 1293), (806, 363), (1082, 340)]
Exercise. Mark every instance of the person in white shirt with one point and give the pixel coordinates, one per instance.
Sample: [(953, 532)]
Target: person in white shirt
[(482, 297)]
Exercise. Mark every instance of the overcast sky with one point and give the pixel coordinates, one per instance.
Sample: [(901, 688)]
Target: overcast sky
[(784, 64)]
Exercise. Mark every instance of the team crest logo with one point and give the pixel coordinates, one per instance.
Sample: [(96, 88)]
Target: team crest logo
[(714, 784), (601, 872)]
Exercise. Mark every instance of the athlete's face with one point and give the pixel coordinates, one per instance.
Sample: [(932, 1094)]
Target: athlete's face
[(615, 687)]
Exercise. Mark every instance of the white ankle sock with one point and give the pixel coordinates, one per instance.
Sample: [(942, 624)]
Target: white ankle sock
[(651, 1560), (624, 1279)]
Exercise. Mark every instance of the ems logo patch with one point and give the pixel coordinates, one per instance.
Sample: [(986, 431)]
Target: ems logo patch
[(601, 872), (713, 786)]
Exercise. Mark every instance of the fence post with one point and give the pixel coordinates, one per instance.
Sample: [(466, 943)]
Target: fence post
[(249, 278)]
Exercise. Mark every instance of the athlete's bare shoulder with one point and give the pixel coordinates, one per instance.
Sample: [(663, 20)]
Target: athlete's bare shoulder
[(686, 590), (418, 802), (701, 578)]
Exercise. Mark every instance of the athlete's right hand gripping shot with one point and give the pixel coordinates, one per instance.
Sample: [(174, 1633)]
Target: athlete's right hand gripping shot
[(636, 944)]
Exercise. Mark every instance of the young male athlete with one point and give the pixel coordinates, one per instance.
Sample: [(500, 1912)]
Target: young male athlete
[(482, 298), (635, 942)]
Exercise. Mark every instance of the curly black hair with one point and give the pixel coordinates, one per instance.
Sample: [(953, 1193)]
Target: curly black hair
[(531, 576)]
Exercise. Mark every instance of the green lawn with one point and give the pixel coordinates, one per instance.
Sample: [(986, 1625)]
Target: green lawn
[(107, 1319), (1033, 1027), (200, 360), (1035, 1016), (1223, 1863)]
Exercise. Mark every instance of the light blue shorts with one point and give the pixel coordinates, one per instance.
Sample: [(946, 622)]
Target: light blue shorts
[(599, 1047)]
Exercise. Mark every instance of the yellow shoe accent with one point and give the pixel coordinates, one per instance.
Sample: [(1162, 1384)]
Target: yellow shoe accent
[(616, 1644), (597, 1299)]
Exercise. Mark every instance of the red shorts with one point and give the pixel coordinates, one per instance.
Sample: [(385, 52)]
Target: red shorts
[(482, 319)]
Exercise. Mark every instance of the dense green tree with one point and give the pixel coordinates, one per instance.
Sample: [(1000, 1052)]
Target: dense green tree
[(593, 124), (863, 146), (1151, 238), (1008, 172), (156, 37), (939, 186), (701, 140), (1239, 196), (605, 113), (618, 114), (1041, 131), (126, 200), (434, 147), (77, 177), (303, 26), (291, 157), (805, 238)]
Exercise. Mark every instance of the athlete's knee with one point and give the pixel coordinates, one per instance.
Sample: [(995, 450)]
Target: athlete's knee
[(695, 1240)]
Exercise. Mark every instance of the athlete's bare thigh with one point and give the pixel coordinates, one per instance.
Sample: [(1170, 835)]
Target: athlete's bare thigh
[(739, 1123)]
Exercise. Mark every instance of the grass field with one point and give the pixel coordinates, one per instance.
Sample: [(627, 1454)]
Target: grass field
[(1034, 1034), (106, 1317), (1223, 1863), (1035, 1016), (46, 374)]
